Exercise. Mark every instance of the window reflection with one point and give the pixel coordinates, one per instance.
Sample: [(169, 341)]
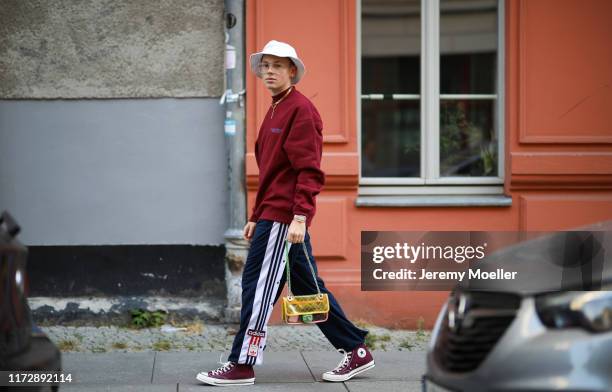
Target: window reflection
[(468, 64), (391, 39), (468, 144), (391, 127), (391, 139)]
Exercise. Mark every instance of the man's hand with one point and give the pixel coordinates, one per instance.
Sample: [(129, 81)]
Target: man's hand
[(296, 232), (248, 230)]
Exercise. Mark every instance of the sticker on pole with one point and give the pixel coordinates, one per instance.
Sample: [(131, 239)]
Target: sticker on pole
[(230, 127)]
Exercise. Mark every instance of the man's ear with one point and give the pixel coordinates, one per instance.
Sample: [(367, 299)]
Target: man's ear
[(293, 70)]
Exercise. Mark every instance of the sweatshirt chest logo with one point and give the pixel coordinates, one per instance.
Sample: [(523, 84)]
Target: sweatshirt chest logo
[(276, 130)]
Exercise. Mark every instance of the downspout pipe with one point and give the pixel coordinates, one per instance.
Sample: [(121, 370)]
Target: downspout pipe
[(233, 100)]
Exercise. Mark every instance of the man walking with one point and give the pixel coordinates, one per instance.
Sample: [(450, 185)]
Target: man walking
[(288, 151)]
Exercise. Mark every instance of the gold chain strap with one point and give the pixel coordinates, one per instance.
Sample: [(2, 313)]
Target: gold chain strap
[(314, 275)]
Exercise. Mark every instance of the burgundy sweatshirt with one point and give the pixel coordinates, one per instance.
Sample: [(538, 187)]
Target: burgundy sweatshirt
[(288, 152)]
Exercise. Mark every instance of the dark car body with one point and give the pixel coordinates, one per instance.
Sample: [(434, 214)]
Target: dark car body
[(23, 346)]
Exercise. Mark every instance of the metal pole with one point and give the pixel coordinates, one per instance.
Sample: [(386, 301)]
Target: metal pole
[(233, 98)]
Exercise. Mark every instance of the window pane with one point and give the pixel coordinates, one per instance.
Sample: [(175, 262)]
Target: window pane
[(390, 75), (390, 64), (468, 46), (468, 140), (468, 65), (391, 139), (468, 73)]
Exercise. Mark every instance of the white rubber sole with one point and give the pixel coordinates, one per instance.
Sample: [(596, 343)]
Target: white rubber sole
[(349, 375), (224, 383)]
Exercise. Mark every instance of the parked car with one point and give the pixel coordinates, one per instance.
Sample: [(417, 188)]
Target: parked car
[(534, 336), (23, 346)]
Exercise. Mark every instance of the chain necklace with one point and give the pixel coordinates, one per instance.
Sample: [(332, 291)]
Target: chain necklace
[(275, 104)]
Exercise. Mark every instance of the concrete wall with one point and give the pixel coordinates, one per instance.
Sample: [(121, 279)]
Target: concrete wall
[(82, 171), (114, 171), (110, 48)]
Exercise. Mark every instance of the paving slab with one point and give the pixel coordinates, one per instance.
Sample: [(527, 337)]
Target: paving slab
[(383, 386), (119, 388), (175, 368), (284, 367), (390, 365), (264, 387), (109, 368)]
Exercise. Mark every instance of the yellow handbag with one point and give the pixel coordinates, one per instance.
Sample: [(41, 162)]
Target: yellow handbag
[(304, 309)]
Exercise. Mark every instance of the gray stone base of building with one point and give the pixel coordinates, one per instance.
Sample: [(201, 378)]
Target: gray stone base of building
[(117, 310), (102, 284), (192, 271)]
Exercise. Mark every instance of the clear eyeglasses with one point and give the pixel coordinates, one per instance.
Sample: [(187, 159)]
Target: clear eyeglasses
[(274, 67)]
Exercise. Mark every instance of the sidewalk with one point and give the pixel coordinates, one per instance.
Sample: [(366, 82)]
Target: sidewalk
[(281, 371)]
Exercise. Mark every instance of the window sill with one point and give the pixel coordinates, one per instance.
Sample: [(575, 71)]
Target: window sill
[(434, 201)]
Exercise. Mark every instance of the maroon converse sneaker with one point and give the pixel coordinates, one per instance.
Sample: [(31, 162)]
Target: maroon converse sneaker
[(231, 373), (354, 362)]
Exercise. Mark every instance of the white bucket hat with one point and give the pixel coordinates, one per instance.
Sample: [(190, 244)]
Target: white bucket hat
[(280, 49)]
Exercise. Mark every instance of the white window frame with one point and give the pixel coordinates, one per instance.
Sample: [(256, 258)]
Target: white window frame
[(432, 183)]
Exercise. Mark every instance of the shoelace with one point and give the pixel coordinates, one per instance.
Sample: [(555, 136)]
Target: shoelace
[(345, 361), (226, 366)]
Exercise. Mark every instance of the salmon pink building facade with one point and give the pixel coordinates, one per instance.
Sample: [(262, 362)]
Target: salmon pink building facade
[(485, 115)]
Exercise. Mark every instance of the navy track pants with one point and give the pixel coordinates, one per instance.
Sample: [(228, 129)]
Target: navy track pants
[(263, 280)]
